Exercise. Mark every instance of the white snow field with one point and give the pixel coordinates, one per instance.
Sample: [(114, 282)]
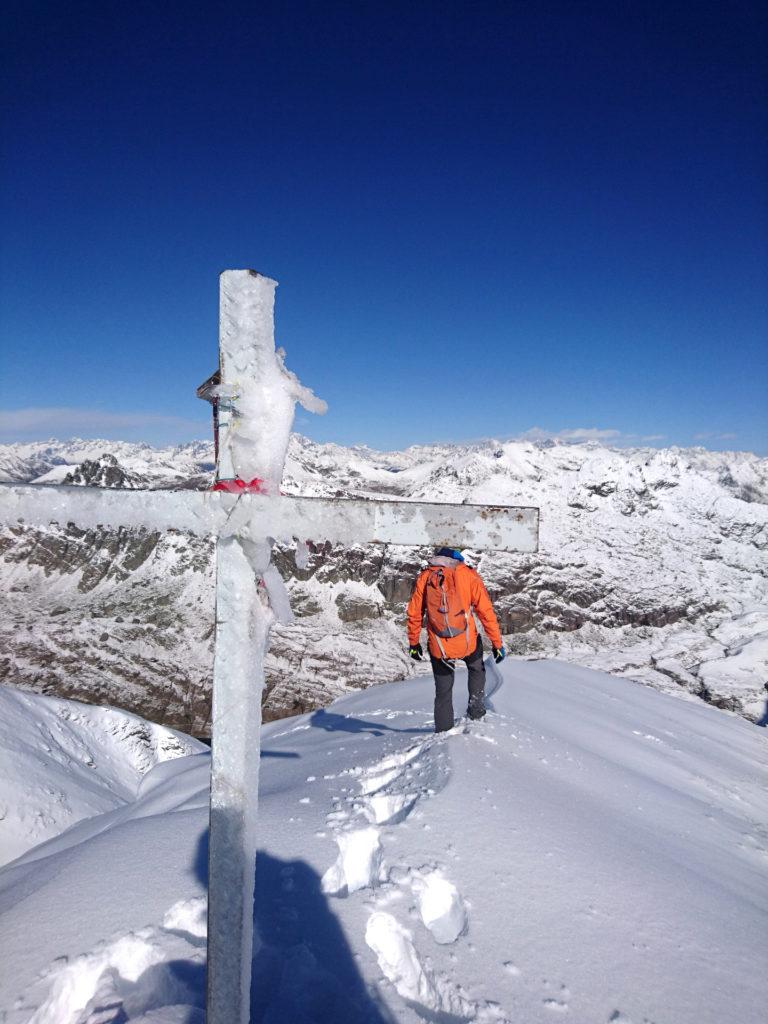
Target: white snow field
[(593, 851)]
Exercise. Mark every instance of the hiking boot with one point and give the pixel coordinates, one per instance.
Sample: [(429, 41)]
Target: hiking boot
[(475, 712)]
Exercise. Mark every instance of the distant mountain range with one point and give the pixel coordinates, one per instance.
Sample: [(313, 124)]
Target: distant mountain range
[(653, 565)]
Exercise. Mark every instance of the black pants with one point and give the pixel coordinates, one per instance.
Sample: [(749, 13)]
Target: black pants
[(444, 688)]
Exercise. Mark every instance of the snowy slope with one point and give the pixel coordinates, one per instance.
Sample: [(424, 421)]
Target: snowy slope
[(593, 851), (61, 761)]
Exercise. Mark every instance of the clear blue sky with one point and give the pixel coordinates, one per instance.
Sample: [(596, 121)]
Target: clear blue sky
[(484, 218)]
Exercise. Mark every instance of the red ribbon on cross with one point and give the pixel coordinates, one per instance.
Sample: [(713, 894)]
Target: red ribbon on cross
[(238, 486)]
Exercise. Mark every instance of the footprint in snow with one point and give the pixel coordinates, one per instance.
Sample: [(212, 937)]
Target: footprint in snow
[(390, 789), (441, 907), (135, 970), (428, 991), (559, 1003), (556, 1005), (359, 864)]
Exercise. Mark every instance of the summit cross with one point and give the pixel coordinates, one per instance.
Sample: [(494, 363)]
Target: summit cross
[(255, 396)]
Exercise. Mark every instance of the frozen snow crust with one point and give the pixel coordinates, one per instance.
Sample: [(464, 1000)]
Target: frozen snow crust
[(592, 851), (653, 565)]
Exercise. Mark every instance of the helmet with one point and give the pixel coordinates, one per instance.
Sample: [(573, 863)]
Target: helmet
[(450, 553)]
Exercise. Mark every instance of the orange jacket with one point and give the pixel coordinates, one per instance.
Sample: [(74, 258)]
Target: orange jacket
[(474, 599)]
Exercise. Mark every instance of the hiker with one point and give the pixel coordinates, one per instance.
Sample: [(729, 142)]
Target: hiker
[(445, 596)]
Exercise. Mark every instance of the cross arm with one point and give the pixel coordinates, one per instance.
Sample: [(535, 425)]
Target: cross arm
[(280, 517)]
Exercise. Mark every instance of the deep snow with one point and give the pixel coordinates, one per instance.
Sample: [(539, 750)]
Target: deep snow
[(593, 851)]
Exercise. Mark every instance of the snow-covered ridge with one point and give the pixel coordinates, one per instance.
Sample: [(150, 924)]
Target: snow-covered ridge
[(591, 851), (653, 564), (601, 470), (50, 461), (62, 761)]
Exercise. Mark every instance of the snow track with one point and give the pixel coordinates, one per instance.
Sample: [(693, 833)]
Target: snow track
[(390, 791), (431, 994)]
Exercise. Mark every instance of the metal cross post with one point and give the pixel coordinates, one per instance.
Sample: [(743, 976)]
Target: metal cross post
[(256, 396)]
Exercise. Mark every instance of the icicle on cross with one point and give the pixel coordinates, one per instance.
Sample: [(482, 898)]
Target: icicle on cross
[(256, 396)]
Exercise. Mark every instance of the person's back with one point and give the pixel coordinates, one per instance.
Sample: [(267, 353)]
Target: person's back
[(446, 597)]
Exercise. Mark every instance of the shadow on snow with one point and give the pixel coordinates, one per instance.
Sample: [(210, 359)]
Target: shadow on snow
[(332, 722), (304, 970)]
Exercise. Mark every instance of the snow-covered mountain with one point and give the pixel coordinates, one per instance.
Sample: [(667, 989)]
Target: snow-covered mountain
[(62, 761), (652, 565), (591, 851), (50, 461)]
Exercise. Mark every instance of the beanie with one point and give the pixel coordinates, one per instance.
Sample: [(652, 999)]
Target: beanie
[(450, 553)]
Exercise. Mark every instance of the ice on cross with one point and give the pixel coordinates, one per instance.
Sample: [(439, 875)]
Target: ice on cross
[(257, 393), (257, 396)]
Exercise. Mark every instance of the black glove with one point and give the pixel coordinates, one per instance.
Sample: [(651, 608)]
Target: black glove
[(499, 654), (416, 652)]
